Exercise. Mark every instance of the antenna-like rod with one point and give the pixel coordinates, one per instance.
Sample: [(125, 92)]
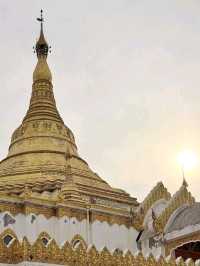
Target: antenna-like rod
[(41, 19)]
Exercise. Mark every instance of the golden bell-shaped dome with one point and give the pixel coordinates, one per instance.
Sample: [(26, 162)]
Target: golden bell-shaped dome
[(42, 71)]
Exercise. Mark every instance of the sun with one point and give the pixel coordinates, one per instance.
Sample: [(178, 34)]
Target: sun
[(187, 159)]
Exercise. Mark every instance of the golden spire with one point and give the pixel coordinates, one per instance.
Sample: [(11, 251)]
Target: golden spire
[(41, 45), (42, 140), (42, 104), (42, 71)]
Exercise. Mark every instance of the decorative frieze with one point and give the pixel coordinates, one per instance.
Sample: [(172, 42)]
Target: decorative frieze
[(80, 255), (109, 203)]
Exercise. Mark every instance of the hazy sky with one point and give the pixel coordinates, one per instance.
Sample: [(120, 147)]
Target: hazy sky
[(126, 77)]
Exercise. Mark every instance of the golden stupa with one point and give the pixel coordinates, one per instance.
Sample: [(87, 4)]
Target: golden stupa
[(43, 163), (55, 209)]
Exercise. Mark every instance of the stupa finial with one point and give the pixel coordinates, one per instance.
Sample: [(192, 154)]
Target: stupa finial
[(42, 71), (185, 184), (41, 48), (41, 19)]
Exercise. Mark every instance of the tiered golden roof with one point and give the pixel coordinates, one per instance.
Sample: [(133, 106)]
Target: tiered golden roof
[(43, 156)]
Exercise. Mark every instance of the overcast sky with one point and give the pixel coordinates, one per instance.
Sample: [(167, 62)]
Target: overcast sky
[(126, 77)]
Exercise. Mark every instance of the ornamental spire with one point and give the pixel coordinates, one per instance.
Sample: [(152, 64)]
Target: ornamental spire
[(42, 71), (42, 103), (42, 46)]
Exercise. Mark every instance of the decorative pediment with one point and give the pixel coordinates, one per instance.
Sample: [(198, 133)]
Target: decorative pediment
[(10, 248), (181, 197), (157, 193)]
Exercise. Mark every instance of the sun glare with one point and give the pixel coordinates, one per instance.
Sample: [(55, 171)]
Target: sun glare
[(187, 159)]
